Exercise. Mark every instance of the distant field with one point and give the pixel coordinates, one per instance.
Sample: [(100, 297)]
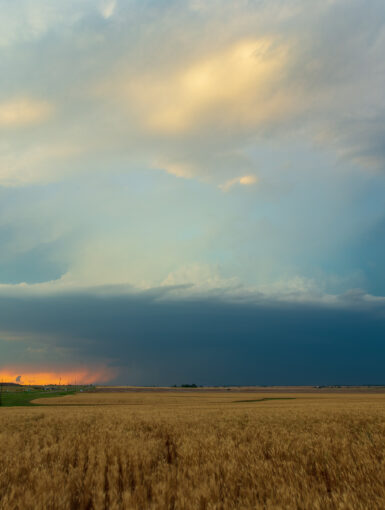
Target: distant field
[(195, 450), (253, 389)]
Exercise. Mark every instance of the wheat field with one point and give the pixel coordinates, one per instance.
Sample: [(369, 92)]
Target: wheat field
[(195, 450)]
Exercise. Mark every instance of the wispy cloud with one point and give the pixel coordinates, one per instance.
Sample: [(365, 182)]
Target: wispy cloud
[(33, 164), (245, 180), (22, 112)]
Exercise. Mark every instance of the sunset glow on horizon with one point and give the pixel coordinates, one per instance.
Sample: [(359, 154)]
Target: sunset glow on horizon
[(66, 376)]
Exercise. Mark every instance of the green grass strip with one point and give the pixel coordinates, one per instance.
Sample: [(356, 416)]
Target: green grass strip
[(23, 398)]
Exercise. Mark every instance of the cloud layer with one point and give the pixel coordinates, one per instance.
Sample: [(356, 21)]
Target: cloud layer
[(200, 96), (150, 338)]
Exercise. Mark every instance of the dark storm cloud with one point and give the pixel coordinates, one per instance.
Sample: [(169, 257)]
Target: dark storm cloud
[(206, 341)]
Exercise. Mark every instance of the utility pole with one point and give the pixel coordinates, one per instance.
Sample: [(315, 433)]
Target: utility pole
[(1, 393)]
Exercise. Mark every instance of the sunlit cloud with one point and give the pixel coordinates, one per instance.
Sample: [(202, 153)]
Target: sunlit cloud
[(24, 112), (181, 170), (245, 180), (233, 85)]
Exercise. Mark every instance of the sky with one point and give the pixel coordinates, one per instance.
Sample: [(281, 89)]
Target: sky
[(192, 191)]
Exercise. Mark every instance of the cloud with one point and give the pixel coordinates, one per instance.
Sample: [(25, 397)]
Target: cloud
[(199, 102), (235, 85), (33, 163), (282, 93), (31, 20), (181, 170), (199, 279), (246, 180), (153, 337), (24, 112), (194, 107), (107, 8), (97, 118)]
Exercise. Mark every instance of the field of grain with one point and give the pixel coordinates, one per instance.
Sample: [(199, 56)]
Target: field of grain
[(195, 450)]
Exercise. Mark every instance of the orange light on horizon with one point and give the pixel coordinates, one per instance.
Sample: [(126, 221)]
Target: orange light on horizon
[(66, 376)]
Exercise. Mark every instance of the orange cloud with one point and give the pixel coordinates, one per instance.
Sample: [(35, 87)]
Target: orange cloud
[(246, 180), (65, 375), (237, 86)]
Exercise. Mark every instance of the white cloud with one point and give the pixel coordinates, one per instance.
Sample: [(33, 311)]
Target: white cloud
[(107, 8), (203, 281), (199, 278)]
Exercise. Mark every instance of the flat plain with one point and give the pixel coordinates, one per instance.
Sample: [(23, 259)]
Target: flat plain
[(127, 448)]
